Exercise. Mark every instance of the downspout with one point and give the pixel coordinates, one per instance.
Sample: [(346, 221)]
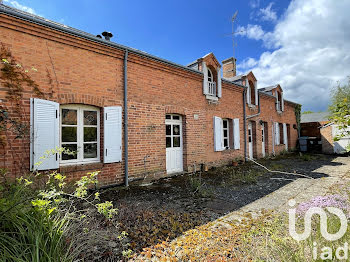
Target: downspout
[(245, 123), (126, 137), (273, 138)]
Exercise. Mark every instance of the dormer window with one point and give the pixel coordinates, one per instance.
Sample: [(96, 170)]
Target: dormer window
[(211, 81), (211, 84), (210, 76), (252, 93), (279, 101)]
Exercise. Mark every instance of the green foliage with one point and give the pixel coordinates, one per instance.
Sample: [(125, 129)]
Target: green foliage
[(48, 223), (198, 187), (297, 112), (340, 108), (29, 232), (307, 112)]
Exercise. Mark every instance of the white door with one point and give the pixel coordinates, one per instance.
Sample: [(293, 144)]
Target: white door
[(250, 139), (174, 153), (263, 139)]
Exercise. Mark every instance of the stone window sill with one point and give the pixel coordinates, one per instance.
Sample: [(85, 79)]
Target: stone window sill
[(81, 167), (211, 98), (252, 106)]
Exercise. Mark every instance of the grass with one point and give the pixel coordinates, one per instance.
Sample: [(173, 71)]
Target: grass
[(28, 234)]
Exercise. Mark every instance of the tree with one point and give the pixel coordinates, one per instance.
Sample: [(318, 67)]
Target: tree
[(340, 109), (307, 112)]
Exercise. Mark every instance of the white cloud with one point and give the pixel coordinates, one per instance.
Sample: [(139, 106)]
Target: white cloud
[(251, 31), (17, 5), (256, 32), (254, 3), (247, 63), (311, 52), (267, 14)]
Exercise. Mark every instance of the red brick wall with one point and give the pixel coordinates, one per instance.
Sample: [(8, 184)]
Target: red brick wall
[(91, 73), (327, 140)]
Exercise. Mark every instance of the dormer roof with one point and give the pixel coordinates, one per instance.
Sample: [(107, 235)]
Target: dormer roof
[(208, 58)]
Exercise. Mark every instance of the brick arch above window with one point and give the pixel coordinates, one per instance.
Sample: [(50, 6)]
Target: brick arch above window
[(85, 99), (175, 110)]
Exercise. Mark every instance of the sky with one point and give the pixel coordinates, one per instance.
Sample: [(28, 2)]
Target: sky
[(302, 45)]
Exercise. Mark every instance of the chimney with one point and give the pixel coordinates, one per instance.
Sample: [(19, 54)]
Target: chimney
[(107, 35), (229, 67)]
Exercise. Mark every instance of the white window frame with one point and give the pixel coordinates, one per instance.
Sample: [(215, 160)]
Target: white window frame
[(228, 133), (80, 134), (210, 78)]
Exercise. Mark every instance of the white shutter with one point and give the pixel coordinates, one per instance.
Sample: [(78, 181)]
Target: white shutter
[(256, 93), (219, 82), (285, 138), (112, 146), (277, 102), (218, 134), (205, 78), (248, 91), (44, 118), (282, 102), (236, 135), (277, 134)]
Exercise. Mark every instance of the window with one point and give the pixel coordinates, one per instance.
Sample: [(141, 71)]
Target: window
[(173, 131), (225, 136), (80, 132), (252, 94), (281, 142), (210, 76)]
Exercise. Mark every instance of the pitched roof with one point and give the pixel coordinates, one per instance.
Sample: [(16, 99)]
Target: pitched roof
[(235, 78), (268, 88), (315, 117), (4, 9)]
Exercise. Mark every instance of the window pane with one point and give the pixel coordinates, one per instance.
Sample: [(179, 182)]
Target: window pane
[(209, 74), (90, 150), (225, 142), (225, 133), (90, 134), (167, 116), (176, 130), (69, 134), (176, 141), (90, 118), (225, 123), (176, 117), (69, 117), (71, 148), (168, 130), (168, 142)]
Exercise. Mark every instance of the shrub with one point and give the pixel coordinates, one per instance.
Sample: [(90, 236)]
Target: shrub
[(49, 223)]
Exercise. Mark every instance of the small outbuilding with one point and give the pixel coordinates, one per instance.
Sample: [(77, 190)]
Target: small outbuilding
[(320, 133)]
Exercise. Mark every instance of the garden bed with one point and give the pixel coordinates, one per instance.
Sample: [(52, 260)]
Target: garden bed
[(168, 207)]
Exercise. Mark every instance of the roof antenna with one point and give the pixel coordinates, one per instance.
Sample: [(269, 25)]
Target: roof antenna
[(233, 32)]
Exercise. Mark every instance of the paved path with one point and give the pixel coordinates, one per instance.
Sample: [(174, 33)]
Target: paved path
[(300, 190)]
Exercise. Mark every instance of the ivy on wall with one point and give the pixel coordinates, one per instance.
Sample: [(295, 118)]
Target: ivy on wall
[(297, 111), (15, 80)]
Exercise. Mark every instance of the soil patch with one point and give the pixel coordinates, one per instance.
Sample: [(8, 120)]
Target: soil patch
[(168, 207)]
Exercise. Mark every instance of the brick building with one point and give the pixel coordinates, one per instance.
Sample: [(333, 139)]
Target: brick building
[(95, 93)]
